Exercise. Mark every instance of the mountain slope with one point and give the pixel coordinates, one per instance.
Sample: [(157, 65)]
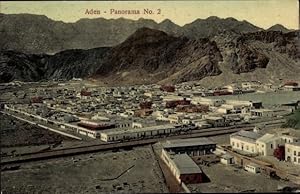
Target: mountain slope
[(64, 65), (147, 56), (154, 55), (23, 67), (282, 50)]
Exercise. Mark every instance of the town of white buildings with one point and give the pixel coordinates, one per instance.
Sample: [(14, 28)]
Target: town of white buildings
[(133, 113)]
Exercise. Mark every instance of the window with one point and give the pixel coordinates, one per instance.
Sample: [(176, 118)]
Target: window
[(233, 143), (247, 147), (294, 153), (271, 146), (237, 145), (288, 150), (298, 153), (295, 159)]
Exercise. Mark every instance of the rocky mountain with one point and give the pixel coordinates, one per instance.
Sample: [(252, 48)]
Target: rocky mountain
[(64, 65), (38, 34), (213, 26), (20, 66), (214, 50), (276, 52), (147, 56), (153, 56), (279, 27)]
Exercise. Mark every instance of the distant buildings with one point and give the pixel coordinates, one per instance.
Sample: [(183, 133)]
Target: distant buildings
[(291, 86)]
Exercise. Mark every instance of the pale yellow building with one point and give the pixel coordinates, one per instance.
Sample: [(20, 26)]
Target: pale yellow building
[(292, 152)]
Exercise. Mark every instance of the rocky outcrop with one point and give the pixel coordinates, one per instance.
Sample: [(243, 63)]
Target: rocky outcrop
[(247, 60), (20, 66)]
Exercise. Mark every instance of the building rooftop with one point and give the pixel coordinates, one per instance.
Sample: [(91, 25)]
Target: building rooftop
[(227, 156), (294, 144), (144, 129), (246, 135), (185, 164), (215, 118), (261, 110), (187, 142), (267, 137)]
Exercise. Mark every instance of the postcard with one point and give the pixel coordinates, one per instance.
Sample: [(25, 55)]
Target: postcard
[(150, 96)]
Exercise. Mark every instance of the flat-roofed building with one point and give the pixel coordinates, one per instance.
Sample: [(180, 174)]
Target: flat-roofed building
[(262, 112), (207, 101), (289, 139), (216, 121), (266, 144), (190, 146), (138, 133), (253, 168), (292, 152)]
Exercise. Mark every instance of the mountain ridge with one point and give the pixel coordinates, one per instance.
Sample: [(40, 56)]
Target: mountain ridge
[(35, 34)]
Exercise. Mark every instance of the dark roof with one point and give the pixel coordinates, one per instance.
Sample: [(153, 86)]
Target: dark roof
[(188, 142)]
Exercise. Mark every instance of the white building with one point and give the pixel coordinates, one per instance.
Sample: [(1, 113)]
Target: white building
[(289, 139), (253, 168), (291, 88), (175, 118), (268, 143), (137, 133), (262, 112), (227, 159), (207, 101), (292, 152), (244, 141)]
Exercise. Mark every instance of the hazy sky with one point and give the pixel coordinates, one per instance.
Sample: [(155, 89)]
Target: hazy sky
[(263, 13)]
